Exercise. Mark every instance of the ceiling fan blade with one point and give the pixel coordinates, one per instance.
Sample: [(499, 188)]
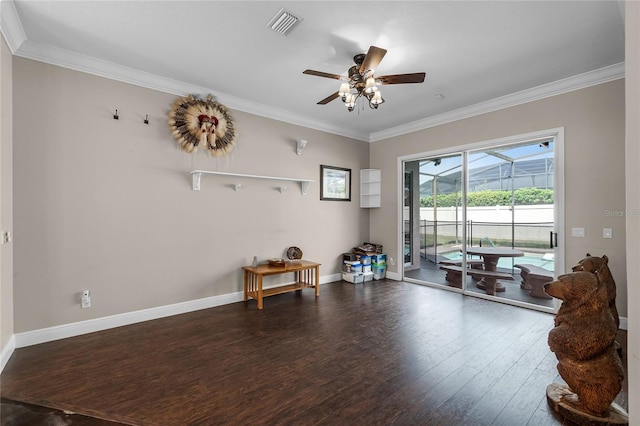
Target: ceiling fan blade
[(373, 58), (417, 77), (329, 99), (322, 74)]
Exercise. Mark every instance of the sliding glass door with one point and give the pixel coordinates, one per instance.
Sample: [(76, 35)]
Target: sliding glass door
[(434, 216), (483, 221)]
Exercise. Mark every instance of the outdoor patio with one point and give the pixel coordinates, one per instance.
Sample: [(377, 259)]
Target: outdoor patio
[(429, 272)]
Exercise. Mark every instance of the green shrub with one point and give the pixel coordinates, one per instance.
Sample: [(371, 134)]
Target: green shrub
[(521, 197)]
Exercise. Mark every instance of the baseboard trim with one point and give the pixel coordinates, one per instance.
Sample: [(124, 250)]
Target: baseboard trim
[(393, 276), (50, 334), (28, 338), (7, 351), (330, 278)]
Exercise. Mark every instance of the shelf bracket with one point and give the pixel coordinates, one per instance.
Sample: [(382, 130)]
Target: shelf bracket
[(196, 180), (304, 186)]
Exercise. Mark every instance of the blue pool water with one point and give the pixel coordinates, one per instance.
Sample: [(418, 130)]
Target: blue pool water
[(536, 259)]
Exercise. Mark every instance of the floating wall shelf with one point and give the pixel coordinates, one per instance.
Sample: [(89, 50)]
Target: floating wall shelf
[(197, 174)]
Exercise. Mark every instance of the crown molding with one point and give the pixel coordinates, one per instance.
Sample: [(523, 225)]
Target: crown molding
[(11, 26), (71, 60), (20, 46), (580, 81)]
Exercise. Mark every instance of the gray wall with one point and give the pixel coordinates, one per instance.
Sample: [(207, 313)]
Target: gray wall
[(107, 205), (593, 119)]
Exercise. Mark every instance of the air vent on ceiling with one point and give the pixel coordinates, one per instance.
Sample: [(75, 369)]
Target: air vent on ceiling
[(283, 22)]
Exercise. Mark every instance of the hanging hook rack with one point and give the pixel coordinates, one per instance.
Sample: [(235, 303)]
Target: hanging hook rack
[(146, 120), (115, 116)]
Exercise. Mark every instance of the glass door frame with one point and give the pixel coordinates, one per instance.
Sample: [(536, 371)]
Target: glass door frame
[(557, 136)]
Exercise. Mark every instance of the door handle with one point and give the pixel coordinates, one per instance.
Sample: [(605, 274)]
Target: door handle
[(553, 239)]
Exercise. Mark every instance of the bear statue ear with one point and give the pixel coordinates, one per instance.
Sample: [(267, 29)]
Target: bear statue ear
[(588, 255), (605, 258)]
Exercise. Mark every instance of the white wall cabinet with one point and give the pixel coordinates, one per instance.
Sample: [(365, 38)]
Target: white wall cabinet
[(370, 180)]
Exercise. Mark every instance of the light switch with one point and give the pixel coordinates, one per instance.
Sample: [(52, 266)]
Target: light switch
[(577, 232), (607, 233)]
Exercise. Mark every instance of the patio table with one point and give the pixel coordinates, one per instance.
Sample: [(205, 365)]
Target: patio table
[(490, 256)]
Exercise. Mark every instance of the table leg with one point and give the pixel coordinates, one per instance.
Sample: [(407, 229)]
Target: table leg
[(246, 285), (259, 291), (488, 284), (317, 280)]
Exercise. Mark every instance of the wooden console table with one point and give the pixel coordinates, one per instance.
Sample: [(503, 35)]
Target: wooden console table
[(307, 275)]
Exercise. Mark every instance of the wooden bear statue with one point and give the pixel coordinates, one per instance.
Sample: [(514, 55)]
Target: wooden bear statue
[(600, 266), (583, 342)]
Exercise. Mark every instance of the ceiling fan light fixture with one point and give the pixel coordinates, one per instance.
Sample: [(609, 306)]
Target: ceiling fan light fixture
[(376, 100), (350, 101), (344, 89), (370, 85), (361, 82)]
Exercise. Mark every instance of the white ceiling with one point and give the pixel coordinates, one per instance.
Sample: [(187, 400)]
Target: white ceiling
[(480, 55)]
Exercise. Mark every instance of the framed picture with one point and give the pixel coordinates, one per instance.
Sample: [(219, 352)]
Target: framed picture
[(335, 183)]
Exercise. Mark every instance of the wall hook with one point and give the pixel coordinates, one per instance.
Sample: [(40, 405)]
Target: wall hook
[(115, 116), (146, 120)]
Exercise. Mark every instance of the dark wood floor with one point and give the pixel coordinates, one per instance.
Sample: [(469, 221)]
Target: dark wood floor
[(382, 353)]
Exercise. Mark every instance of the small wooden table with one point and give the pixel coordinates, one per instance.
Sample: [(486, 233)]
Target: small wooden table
[(491, 255), (307, 275)]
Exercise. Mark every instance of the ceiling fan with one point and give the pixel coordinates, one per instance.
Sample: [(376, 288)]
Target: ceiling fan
[(361, 81)]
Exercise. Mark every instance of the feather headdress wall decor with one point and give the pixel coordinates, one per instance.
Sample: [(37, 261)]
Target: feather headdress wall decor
[(202, 123)]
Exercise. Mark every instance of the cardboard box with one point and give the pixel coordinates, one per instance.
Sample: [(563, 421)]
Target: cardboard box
[(353, 278), (377, 246)]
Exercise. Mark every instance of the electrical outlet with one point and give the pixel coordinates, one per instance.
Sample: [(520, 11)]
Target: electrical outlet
[(86, 299), (577, 232)]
